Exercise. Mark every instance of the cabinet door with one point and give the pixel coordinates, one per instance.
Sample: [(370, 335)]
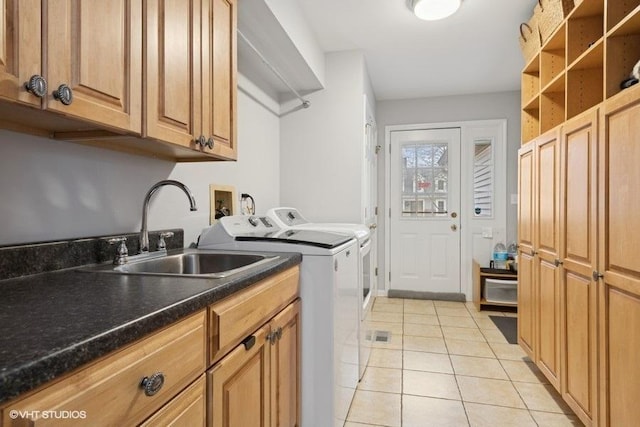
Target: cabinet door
[(526, 289), (285, 367), (239, 385), (186, 409), (172, 76), (546, 239), (219, 77), (20, 48), (578, 252), (619, 240), (95, 48)]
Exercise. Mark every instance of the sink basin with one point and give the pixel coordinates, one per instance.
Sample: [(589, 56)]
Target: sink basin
[(190, 264)]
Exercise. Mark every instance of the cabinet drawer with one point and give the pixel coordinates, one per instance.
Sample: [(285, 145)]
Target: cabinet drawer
[(233, 319), (109, 392), (189, 408)]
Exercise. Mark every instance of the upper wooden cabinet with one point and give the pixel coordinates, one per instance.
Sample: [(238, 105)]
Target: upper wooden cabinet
[(219, 75), (172, 72), (191, 74), (90, 57), (20, 48)]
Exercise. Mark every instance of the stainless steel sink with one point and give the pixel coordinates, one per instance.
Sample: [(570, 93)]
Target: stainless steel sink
[(190, 264)]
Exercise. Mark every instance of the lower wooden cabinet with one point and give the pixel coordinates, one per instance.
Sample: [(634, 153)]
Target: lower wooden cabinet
[(618, 260), (253, 377), (189, 408), (239, 384), (257, 383), (589, 296), (108, 392)]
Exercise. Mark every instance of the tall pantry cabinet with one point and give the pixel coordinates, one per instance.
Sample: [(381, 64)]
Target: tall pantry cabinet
[(579, 228)]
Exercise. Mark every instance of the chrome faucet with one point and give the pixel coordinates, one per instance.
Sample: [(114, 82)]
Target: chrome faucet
[(144, 233)]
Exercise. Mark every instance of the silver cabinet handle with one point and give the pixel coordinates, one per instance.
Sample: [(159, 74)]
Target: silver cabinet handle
[(152, 384), (37, 85), (63, 94)]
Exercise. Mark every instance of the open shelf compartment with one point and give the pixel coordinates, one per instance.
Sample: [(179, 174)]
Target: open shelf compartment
[(553, 58)]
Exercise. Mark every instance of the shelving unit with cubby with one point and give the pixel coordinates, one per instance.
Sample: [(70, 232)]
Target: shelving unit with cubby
[(581, 64)]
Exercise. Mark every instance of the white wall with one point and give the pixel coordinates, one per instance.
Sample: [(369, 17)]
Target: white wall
[(505, 105), (54, 190), (321, 145)]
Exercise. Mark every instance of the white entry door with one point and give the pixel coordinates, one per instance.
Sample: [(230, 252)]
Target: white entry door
[(425, 208)]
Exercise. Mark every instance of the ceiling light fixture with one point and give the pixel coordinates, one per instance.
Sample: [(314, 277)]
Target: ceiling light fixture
[(432, 10)]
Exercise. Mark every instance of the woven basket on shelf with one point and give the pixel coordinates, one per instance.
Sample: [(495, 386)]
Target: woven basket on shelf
[(550, 14), (529, 38)]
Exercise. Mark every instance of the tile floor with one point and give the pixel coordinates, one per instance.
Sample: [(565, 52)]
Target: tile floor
[(448, 365)]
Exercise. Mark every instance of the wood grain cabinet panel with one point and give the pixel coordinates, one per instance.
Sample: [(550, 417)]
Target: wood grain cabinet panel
[(285, 368), (526, 290), (578, 252), (219, 79), (189, 408), (95, 48), (172, 71), (239, 385), (619, 240), (20, 48)]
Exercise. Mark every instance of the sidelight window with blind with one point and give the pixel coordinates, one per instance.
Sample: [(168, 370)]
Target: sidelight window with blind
[(483, 178)]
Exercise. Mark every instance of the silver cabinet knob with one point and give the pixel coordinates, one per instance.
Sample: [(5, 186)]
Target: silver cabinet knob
[(37, 86), (63, 94), (152, 384), (454, 227)]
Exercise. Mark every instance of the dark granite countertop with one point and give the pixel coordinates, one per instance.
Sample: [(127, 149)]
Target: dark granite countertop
[(52, 323)]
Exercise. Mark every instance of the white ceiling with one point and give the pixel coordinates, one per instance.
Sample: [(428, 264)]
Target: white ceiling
[(474, 51)]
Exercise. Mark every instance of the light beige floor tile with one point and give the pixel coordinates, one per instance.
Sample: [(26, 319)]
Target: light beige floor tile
[(387, 300), (421, 319), (381, 379), (526, 372), (508, 351), (350, 424), (542, 397), (432, 345), (478, 367), (371, 407), (418, 411), (388, 308), (469, 348), (483, 314), (394, 342), (385, 358), (547, 419), (384, 317), (454, 304), (486, 323), (394, 328), (489, 391), (430, 384), (450, 311), (494, 336), (457, 321), (495, 416), (422, 330), (419, 307), (429, 362), (466, 334)]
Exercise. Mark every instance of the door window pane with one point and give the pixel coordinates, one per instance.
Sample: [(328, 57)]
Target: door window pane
[(483, 178), (425, 171)]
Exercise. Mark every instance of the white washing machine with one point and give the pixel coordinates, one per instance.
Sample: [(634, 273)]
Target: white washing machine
[(329, 315), (291, 218)]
